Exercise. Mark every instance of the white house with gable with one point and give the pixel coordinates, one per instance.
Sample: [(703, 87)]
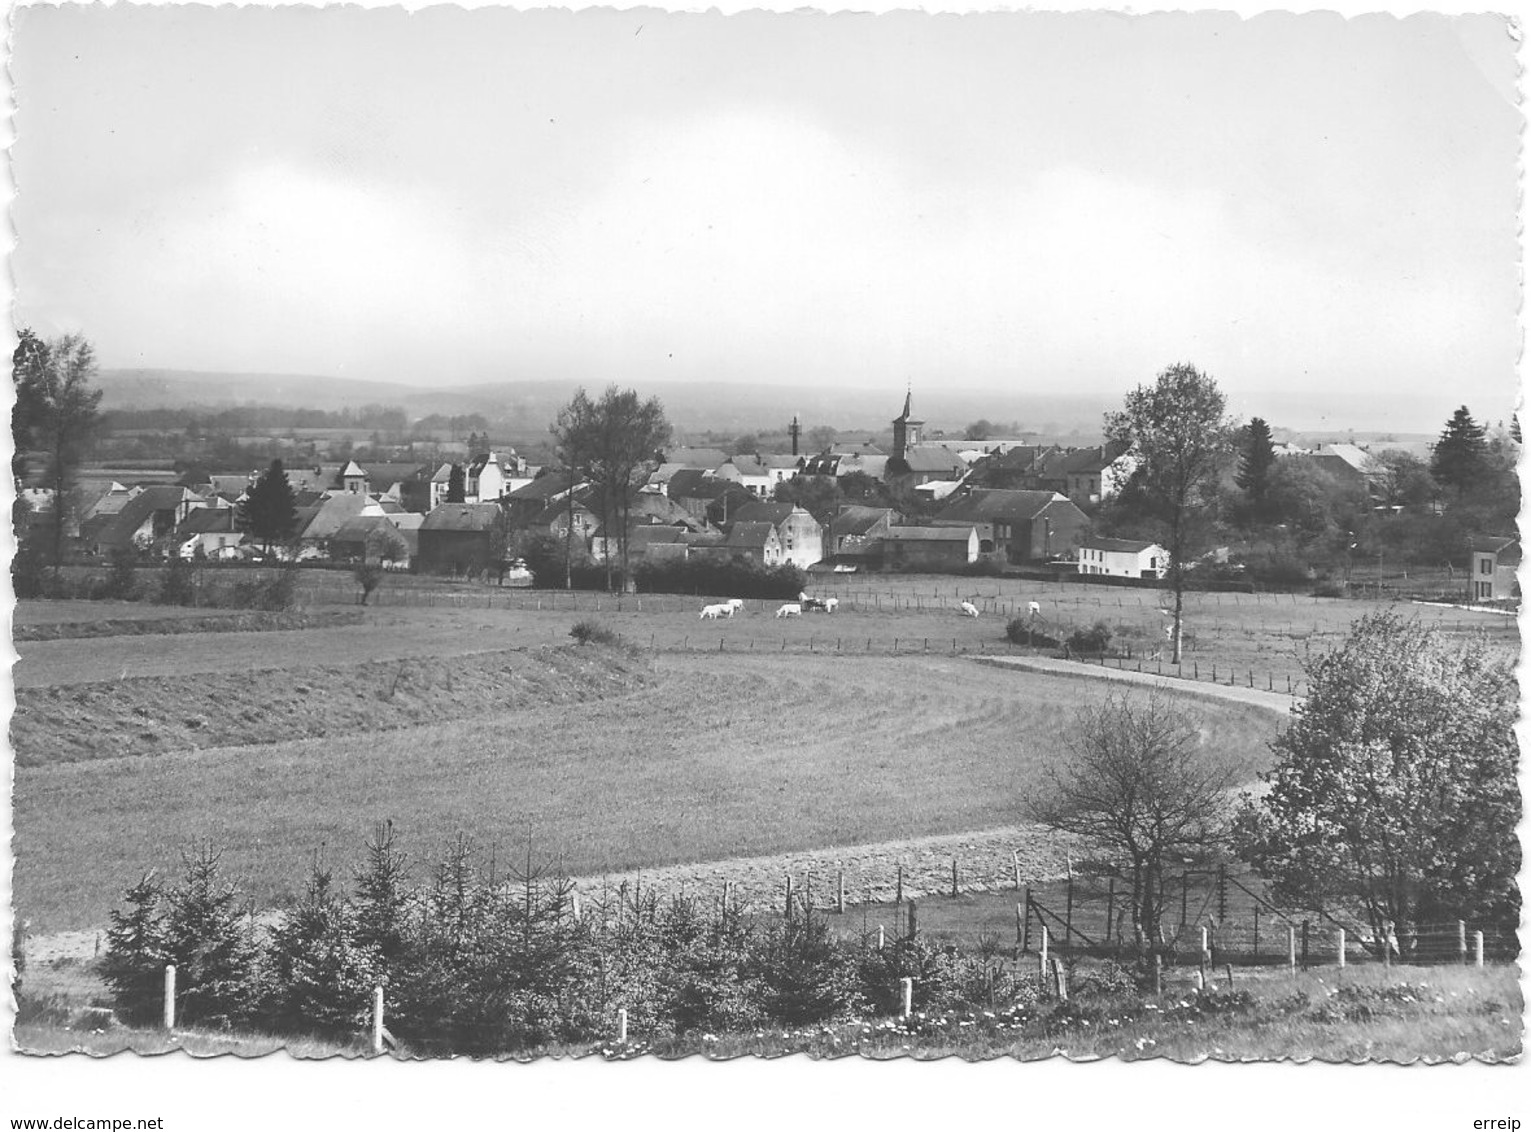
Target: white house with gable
[(1122, 558)]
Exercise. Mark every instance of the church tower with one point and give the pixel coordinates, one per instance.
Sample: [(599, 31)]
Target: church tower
[(906, 430)]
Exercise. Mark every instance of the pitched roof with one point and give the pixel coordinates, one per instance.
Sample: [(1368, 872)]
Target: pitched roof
[(984, 505), (462, 517), (780, 460), (333, 513), (933, 458), (857, 520), (763, 512), (1119, 545), (359, 528), (929, 534), (750, 535), (1493, 544), (208, 520), (543, 487), (137, 511), (443, 474), (352, 469), (384, 476), (694, 483)]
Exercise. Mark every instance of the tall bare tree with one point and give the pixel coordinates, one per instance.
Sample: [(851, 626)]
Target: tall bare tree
[(1178, 431), (55, 412), (1136, 781), (612, 442)]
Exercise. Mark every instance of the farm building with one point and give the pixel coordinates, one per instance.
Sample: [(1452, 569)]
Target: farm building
[(1494, 563), (926, 548), (370, 538), (799, 533), (1122, 558), (212, 530), (330, 515), (1025, 526), (755, 541), (458, 538), (1093, 475), (854, 527), (149, 517)]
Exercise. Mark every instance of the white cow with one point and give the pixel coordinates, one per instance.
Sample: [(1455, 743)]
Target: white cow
[(735, 605), (713, 612), (830, 603), (970, 609), (791, 609), (1034, 608)]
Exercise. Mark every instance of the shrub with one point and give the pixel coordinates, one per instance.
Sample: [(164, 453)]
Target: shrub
[(1022, 631), (1095, 639), (588, 632), (986, 566), (122, 582), (176, 585), (1329, 589), (739, 577)]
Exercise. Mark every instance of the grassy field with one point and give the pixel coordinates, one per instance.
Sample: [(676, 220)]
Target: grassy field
[(1263, 640), (721, 758)]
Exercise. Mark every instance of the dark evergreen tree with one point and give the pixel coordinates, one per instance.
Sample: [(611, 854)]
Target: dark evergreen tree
[(1458, 460), (1257, 453), (322, 978), (269, 513), (457, 485), (208, 937), (137, 952)]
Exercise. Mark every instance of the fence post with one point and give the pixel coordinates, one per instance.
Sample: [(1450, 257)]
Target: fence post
[(1340, 939), (1478, 948), (1023, 911), (1020, 929), (906, 993), (898, 891), (1043, 953), (789, 897), (1462, 940), (1291, 948), (1305, 945), (377, 1020), (913, 919), (1158, 974), (622, 1026), (954, 876), (840, 892), (881, 937), (1060, 981), (169, 997), (574, 904)]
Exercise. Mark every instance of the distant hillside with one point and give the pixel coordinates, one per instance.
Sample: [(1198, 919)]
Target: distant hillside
[(530, 405)]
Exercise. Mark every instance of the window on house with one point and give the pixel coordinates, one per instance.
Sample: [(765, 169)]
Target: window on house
[(1485, 565)]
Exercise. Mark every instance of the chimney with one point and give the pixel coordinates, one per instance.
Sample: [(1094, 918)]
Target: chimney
[(794, 429)]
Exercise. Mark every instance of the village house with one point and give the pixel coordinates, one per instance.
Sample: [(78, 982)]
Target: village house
[(212, 533), (1024, 526), (1494, 563), (757, 541), (1094, 475), (925, 548), (458, 538), (1122, 558), (799, 534), (148, 519), (854, 527), (759, 475)]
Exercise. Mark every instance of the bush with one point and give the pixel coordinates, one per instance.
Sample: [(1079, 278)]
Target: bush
[(739, 577), (122, 582), (176, 585), (593, 632), (1096, 639), (1329, 589), (1022, 631), (985, 566)]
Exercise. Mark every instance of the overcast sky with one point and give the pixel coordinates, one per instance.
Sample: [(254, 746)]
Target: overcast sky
[(1320, 212)]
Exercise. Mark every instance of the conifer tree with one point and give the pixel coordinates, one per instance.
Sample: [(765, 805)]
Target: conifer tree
[(1257, 455), (269, 513), (457, 485), (1458, 462)]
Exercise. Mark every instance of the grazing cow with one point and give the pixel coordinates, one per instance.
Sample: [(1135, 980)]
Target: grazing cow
[(970, 609), (829, 604), (810, 603), (735, 605), (713, 612), (791, 609), (1034, 609)]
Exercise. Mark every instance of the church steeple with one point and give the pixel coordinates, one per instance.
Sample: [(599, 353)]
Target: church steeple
[(906, 429)]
